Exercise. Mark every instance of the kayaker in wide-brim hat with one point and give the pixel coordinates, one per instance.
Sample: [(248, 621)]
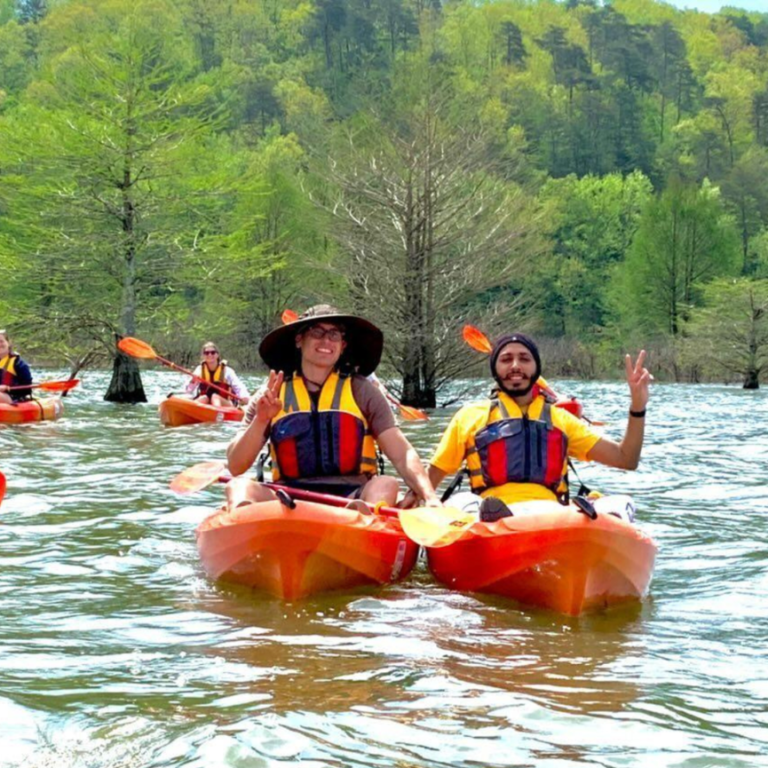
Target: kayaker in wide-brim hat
[(362, 353), (323, 417)]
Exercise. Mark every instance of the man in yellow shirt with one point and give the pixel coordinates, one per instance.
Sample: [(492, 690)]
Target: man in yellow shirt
[(516, 445)]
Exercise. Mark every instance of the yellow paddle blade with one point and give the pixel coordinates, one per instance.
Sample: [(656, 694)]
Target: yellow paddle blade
[(435, 526), (289, 316), (136, 348), (197, 477), (476, 339)]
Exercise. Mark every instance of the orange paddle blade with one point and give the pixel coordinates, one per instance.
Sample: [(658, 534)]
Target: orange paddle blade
[(412, 414), (435, 526), (194, 479), (136, 348), (58, 386), (289, 316), (476, 339)]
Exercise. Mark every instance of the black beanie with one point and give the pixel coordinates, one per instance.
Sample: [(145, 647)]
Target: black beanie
[(529, 344)]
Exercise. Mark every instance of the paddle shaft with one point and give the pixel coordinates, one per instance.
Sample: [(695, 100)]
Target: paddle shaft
[(56, 386), (326, 498)]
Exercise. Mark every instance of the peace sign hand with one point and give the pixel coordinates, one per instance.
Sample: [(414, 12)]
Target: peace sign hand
[(639, 379), (269, 404)]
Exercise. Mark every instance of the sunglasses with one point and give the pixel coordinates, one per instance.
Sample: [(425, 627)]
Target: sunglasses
[(332, 334), (210, 352)]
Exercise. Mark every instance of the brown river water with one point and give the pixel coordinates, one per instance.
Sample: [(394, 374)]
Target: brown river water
[(116, 651)]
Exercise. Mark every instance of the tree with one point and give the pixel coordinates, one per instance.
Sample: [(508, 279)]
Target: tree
[(744, 190), (728, 334), (426, 230), (31, 11), (595, 221), (100, 157), (684, 239)]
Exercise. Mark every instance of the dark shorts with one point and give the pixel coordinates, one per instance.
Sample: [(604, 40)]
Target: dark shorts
[(345, 490)]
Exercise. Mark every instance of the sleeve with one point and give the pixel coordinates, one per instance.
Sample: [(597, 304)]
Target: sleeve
[(374, 406), (581, 437), (236, 384), (23, 376), (452, 448), (193, 385)]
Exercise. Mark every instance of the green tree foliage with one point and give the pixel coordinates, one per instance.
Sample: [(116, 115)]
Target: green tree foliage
[(101, 181), (728, 334), (155, 159), (684, 239), (596, 220)]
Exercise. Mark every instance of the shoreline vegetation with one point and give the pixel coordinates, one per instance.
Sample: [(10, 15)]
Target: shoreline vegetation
[(592, 173)]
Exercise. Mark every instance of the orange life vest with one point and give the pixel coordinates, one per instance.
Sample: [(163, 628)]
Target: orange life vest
[(326, 438)]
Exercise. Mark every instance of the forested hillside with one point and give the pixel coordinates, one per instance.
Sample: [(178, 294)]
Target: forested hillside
[(181, 170)]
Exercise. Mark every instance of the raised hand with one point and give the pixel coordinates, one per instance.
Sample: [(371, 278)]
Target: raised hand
[(269, 404), (639, 379)]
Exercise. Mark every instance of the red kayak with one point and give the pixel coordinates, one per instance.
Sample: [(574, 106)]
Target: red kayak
[(179, 411), (296, 552), (550, 557), (46, 409)]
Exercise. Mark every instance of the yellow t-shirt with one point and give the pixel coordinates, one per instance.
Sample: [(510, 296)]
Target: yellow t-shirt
[(454, 444)]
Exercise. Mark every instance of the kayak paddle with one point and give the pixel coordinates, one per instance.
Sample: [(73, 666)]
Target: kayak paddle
[(140, 349), (427, 526), (197, 477), (408, 412), (51, 386), (435, 527), (2, 487)]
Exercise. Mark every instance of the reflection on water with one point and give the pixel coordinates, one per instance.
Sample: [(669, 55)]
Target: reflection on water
[(116, 651)]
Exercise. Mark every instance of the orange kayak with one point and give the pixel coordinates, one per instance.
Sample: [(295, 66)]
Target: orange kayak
[(46, 409), (178, 411), (557, 559), (293, 553)]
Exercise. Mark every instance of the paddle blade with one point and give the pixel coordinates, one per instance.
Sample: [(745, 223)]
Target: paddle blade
[(136, 348), (476, 339), (412, 414), (196, 478), (435, 526), (2, 487), (58, 386), (289, 316)]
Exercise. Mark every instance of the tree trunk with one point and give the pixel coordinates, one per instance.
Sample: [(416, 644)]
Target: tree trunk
[(125, 386), (751, 379)]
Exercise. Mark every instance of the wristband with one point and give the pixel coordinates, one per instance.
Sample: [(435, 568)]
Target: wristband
[(637, 414)]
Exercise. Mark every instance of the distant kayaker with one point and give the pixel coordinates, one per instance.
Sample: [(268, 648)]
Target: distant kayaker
[(14, 372), (322, 417), (516, 445), (216, 371)]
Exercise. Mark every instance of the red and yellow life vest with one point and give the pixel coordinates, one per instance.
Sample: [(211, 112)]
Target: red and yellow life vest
[(216, 377), (326, 439), (518, 450), (8, 370)]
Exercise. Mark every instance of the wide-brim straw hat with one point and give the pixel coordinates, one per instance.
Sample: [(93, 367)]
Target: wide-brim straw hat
[(362, 354)]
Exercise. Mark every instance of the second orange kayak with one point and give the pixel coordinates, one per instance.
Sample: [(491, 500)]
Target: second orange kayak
[(294, 553), (179, 411), (46, 409), (555, 558)]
